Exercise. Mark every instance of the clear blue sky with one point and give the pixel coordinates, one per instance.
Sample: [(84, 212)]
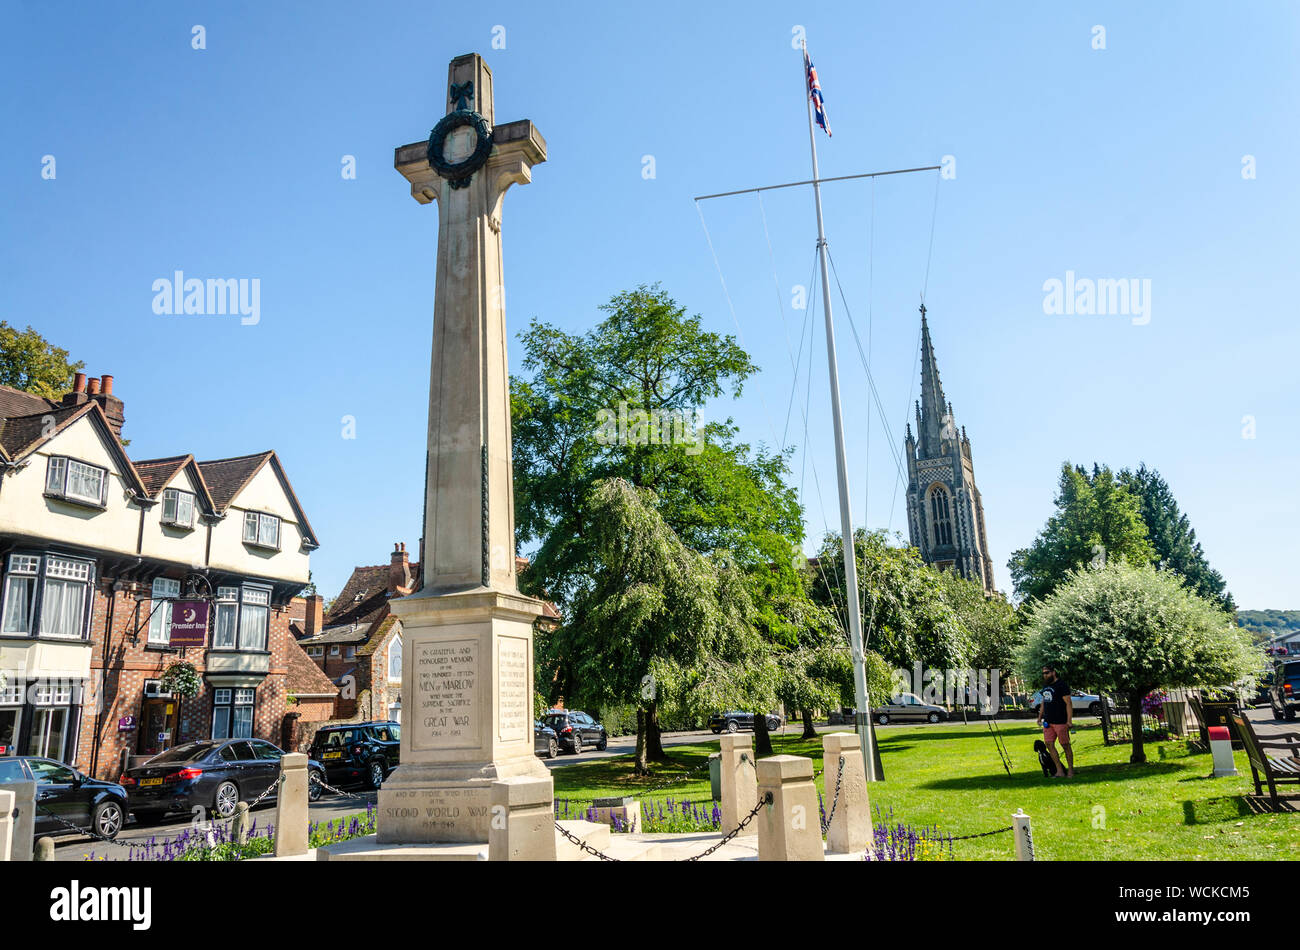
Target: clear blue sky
[(1117, 163)]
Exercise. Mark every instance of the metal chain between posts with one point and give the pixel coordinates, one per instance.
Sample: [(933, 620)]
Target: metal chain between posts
[(583, 846), (839, 779), (81, 831), (337, 791), (982, 834)]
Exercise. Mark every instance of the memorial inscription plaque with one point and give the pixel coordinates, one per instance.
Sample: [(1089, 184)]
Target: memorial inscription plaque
[(446, 688)]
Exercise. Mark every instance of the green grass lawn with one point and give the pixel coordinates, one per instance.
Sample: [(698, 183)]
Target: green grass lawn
[(950, 776)]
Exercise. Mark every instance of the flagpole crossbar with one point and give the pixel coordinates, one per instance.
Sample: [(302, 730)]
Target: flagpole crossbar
[(819, 181)]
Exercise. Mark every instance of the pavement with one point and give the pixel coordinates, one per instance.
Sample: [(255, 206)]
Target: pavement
[(331, 807)]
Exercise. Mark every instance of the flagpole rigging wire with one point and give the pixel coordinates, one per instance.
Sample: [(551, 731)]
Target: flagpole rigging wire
[(819, 181)]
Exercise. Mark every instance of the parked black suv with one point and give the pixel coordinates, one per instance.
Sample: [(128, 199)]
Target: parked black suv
[(736, 719), (1284, 694), (575, 730), (357, 752)]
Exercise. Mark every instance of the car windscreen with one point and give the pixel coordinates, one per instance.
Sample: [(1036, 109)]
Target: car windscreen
[(182, 753)]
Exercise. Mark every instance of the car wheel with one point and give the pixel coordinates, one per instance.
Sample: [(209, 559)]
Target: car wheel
[(882, 719), (108, 819), (603, 744), (577, 744), (552, 748), (717, 730), (226, 799), (732, 725), (1094, 709), (314, 788), (933, 717), (376, 774)]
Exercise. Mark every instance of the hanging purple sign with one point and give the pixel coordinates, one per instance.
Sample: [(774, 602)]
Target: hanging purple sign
[(189, 623)]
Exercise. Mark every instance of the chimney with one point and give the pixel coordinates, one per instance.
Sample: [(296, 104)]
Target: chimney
[(92, 386), (101, 390), (315, 620), (399, 570), (78, 394)]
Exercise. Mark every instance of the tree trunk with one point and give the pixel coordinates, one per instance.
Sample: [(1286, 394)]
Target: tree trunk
[(654, 743), (809, 731), (642, 766), (1135, 725), (762, 738)]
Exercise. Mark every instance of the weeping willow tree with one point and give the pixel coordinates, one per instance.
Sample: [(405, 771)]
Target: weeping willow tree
[(659, 625)]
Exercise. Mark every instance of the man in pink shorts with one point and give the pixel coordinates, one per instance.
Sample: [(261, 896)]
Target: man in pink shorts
[(1056, 716)]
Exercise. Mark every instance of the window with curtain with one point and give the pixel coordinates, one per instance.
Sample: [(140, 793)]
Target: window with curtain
[(165, 590), (19, 593), (232, 713), (254, 618), (940, 515), (178, 508), (64, 598), (223, 633)]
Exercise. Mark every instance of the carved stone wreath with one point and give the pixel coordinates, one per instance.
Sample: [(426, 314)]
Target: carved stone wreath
[(458, 174)]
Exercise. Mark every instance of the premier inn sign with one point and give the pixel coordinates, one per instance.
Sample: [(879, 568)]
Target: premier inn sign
[(189, 623)]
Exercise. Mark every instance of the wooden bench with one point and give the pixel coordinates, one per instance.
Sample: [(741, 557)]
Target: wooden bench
[(1276, 768)]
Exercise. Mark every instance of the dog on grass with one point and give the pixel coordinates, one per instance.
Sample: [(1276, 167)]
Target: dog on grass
[(1044, 758)]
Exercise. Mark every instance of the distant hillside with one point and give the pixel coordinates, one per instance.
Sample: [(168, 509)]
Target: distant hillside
[(1264, 624)]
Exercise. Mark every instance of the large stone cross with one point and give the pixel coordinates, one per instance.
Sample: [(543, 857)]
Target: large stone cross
[(467, 658), (467, 165)]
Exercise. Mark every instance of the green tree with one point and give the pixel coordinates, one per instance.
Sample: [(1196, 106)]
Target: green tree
[(1172, 536), (647, 355), (906, 615), (993, 628), (1131, 628), (659, 624), (31, 363), (1097, 520)]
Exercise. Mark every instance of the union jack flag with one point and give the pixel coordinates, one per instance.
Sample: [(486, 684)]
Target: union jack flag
[(815, 93)]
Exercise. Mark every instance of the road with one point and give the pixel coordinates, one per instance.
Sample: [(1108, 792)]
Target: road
[(76, 848)]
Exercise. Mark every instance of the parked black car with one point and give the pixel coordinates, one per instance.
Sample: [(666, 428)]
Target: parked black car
[(360, 752), (213, 774), (545, 741), (64, 793), (1284, 694), (575, 730), (735, 720)]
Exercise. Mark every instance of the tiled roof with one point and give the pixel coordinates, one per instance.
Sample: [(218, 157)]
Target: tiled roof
[(227, 477), (304, 675), (364, 598), (376, 636), (19, 433), (15, 402), (155, 473), (343, 634)]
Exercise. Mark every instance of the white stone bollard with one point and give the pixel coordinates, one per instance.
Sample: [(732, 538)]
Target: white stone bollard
[(1024, 836), (789, 827), (291, 806), (739, 783), (1221, 750), (6, 825), (850, 829), (521, 823), (23, 815)]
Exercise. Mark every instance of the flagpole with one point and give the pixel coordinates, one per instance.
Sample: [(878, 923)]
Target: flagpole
[(862, 717)]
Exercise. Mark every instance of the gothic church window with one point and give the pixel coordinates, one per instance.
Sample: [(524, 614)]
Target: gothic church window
[(940, 516)]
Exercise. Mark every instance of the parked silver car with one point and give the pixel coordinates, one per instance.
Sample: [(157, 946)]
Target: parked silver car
[(908, 707), (1082, 702)]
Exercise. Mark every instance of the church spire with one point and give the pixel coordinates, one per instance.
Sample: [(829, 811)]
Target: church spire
[(934, 407)]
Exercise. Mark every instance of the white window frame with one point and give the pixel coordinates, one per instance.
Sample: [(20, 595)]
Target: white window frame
[(58, 572), (233, 701), (256, 524), (395, 660), (160, 611), (334, 650), (182, 504), (27, 569), (59, 473), (240, 604)]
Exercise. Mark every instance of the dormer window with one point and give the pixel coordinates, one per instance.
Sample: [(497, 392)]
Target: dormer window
[(75, 481), (178, 508), (262, 529)]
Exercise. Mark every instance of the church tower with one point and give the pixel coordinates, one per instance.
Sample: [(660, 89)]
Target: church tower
[(945, 515)]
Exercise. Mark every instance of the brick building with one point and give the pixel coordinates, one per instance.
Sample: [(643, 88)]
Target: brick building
[(95, 549)]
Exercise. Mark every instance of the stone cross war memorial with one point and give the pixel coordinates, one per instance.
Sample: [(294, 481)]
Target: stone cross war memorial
[(467, 671)]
